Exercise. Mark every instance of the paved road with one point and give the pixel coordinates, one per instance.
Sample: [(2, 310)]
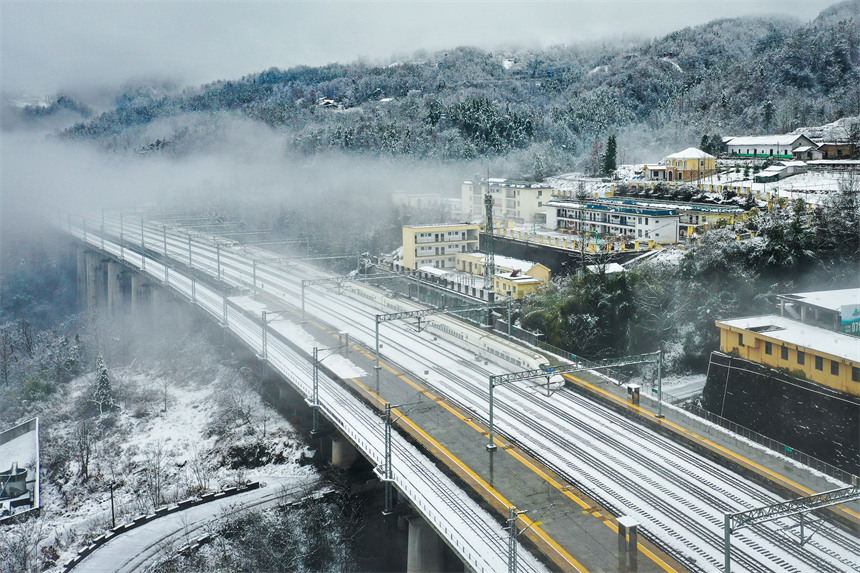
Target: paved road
[(138, 548)]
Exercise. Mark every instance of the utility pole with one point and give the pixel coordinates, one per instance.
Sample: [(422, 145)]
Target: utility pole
[(389, 474), (386, 471), (142, 246), (315, 395), (121, 242), (263, 351), (112, 512), (513, 532), (164, 242)]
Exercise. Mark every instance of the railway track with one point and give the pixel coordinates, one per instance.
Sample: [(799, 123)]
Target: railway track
[(679, 496)]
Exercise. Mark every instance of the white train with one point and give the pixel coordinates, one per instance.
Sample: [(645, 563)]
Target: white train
[(486, 345)]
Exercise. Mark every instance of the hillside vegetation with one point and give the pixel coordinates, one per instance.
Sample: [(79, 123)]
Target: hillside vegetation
[(546, 110)]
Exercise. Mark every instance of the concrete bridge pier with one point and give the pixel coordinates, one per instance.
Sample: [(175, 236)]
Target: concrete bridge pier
[(96, 281), (82, 277), (114, 287), (141, 293), (425, 550), (343, 454)]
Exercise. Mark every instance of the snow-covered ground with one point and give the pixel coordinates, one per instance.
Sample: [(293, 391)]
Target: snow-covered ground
[(213, 415)]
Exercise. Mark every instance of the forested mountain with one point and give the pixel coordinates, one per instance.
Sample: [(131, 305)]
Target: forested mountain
[(543, 109)]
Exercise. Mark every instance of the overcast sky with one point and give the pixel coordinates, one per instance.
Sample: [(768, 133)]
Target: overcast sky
[(51, 46)]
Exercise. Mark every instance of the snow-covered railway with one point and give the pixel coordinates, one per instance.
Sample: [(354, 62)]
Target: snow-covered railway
[(678, 496), (474, 534)]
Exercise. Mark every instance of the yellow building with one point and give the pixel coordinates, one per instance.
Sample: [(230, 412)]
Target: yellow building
[(690, 164), (515, 285), (824, 356), (438, 245), (473, 263), (513, 277)]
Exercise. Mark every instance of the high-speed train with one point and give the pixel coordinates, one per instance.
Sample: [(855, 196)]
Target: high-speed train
[(484, 344)]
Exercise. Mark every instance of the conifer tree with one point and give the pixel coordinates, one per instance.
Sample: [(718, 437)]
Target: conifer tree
[(103, 394), (609, 158)]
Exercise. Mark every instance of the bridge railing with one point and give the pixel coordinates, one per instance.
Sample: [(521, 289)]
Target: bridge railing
[(242, 324)]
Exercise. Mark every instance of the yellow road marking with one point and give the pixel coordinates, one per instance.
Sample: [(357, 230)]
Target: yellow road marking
[(696, 437), (563, 488), (533, 526)]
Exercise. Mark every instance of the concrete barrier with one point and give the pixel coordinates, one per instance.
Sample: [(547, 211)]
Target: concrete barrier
[(160, 512)]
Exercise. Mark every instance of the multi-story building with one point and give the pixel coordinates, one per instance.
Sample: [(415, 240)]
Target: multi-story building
[(693, 216), (690, 164), (438, 245), (616, 219), (516, 201)]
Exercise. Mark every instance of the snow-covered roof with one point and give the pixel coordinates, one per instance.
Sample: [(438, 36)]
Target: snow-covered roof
[(519, 278), (690, 153), (441, 226), (829, 299), (803, 149), (790, 331), (506, 262), (433, 271), (784, 139)]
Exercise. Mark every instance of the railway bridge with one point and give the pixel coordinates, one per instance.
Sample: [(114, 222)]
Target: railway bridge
[(579, 479)]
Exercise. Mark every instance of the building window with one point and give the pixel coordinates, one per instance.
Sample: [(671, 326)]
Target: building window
[(783, 352), (819, 363), (855, 374), (801, 357), (768, 348), (740, 339), (834, 368)]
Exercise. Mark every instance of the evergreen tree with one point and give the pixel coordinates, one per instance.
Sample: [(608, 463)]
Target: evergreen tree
[(767, 112), (103, 394), (609, 158), (705, 144)]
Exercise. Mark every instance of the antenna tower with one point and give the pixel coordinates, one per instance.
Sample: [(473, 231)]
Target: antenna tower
[(490, 262)]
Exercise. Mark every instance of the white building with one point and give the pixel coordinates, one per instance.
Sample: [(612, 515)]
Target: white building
[(762, 146), (516, 201), (629, 222)]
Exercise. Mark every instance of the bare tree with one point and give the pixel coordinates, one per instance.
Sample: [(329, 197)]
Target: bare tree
[(155, 474), (7, 355), (83, 440), (198, 469), (19, 547)]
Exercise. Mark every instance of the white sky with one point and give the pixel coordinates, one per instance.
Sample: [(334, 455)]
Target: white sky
[(49, 46)]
